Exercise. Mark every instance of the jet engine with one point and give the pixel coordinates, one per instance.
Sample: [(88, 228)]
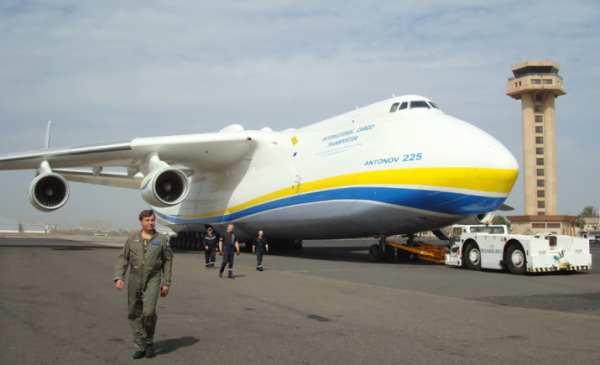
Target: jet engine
[(48, 192), (165, 187), (481, 218)]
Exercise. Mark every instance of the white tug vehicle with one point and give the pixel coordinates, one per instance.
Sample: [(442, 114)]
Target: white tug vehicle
[(492, 247)]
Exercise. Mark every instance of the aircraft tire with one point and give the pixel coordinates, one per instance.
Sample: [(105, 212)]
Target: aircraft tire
[(473, 257), (388, 254), (516, 260), (375, 253)]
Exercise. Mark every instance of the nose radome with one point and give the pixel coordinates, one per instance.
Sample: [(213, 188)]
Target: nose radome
[(495, 156), (497, 167)]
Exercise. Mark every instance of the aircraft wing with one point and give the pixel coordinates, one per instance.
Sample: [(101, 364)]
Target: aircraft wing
[(117, 179), (208, 151)]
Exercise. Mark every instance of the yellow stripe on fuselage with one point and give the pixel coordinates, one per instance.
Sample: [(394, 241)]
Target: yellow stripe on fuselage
[(467, 178)]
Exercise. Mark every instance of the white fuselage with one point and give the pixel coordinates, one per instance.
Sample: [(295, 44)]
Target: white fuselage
[(367, 172)]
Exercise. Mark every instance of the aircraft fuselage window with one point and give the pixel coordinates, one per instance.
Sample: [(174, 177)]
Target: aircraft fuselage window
[(404, 105), (394, 107), (419, 104)]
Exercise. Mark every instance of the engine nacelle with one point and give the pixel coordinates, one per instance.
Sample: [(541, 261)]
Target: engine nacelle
[(48, 192), (165, 187), (481, 218)]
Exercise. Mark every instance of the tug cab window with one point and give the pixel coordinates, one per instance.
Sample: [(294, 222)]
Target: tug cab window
[(394, 107), (404, 105), (419, 104)]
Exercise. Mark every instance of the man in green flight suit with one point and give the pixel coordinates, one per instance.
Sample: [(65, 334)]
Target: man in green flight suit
[(147, 253)]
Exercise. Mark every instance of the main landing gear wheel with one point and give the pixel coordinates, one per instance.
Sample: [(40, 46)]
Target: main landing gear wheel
[(376, 253), (473, 257), (516, 260)]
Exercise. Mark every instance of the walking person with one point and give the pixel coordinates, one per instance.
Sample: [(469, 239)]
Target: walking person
[(148, 255), (259, 246), (227, 243), (210, 245)]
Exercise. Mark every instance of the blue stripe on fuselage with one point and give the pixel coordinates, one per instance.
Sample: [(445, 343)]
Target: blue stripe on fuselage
[(433, 201)]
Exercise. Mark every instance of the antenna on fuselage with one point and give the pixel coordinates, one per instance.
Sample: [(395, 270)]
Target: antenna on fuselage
[(47, 142)]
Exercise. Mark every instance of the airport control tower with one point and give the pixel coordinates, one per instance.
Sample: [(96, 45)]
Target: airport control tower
[(537, 84)]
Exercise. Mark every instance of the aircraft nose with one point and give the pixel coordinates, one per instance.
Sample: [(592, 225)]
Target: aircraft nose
[(496, 166)]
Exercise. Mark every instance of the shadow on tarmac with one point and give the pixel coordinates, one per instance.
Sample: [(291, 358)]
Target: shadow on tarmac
[(167, 346)]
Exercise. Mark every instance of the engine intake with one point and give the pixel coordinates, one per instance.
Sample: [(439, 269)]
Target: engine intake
[(164, 188), (481, 218), (48, 192)]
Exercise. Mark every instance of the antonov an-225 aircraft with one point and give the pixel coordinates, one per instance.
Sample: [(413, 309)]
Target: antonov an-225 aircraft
[(399, 166)]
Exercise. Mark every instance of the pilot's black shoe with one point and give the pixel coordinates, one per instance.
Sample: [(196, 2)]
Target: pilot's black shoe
[(257, 268), (139, 354), (220, 274), (149, 350), (230, 275), (260, 269)]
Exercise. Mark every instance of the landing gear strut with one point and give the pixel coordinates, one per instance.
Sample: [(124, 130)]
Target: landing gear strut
[(406, 256)]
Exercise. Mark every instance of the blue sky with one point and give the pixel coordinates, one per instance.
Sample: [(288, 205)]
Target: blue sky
[(114, 70)]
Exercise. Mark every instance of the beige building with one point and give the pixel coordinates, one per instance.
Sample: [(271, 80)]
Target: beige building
[(591, 224), (537, 84), (532, 224)]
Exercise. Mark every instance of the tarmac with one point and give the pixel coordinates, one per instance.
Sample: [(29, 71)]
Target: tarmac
[(324, 305)]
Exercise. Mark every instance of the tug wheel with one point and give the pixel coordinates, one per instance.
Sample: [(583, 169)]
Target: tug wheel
[(473, 257), (516, 260)]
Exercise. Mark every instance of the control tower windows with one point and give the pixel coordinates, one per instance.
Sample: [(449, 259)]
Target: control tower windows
[(539, 140), (541, 204), (539, 129), (394, 107), (541, 183), (541, 194), (539, 161), (539, 150), (539, 119), (540, 172), (538, 108), (539, 98)]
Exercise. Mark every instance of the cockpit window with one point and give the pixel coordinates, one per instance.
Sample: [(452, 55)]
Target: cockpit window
[(419, 104), (433, 105), (404, 105), (394, 107)]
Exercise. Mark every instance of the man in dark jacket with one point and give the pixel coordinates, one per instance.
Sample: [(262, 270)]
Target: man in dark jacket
[(210, 244), (227, 244), (259, 246), (148, 254)]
